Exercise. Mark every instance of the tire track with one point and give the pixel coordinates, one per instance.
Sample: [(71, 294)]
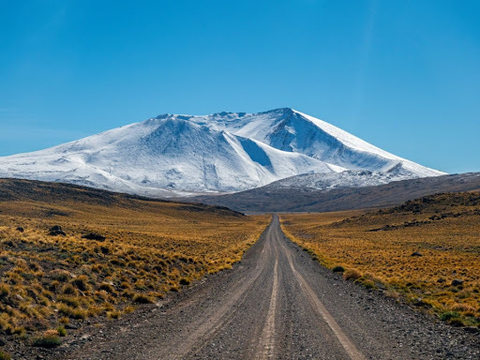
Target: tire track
[(320, 308), (204, 331), (271, 306), (266, 348)]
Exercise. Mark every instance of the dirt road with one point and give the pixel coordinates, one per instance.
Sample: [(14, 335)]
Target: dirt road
[(276, 304)]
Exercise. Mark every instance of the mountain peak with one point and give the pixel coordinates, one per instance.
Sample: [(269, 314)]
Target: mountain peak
[(280, 111), (222, 152)]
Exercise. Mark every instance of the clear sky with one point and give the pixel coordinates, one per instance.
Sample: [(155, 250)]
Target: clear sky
[(401, 74)]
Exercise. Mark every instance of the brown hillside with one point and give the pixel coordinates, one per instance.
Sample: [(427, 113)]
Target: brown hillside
[(69, 253)]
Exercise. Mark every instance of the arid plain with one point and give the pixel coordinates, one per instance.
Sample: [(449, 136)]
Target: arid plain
[(82, 265), (70, 255), (425, 252)]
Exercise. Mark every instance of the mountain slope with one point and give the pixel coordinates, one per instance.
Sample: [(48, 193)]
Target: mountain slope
[(290, 130), (344, 194), (173, 155)]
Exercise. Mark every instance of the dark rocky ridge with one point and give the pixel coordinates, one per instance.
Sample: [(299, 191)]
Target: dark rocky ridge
[(271, 199), (54, 193)]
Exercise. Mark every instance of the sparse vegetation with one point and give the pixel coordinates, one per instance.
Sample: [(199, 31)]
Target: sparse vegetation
[(150, 248), (4, 356), (425, 252), (352, 275), (61, 331), (143, 299), (49, 339)]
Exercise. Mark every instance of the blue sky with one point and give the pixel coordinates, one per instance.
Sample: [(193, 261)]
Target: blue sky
[(401, 74)]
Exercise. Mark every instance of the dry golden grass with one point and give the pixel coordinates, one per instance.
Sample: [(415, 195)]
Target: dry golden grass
[(417, 251), (151, 248)]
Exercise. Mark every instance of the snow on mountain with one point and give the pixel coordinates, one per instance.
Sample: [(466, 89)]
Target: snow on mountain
[(290, 130), (342, 180), (225, 152)]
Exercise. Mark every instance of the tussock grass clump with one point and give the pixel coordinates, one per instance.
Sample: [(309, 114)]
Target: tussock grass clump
[(69, 289), (4, 290), (449, 315), (49, 339), (60, 275), (143, 299), (114, 314), (352, 274), (109, 287), (73, 312), (61, 331), (81, 283), (369, 284)]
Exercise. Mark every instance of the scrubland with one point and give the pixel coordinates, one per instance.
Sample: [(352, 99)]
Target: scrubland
[(425, 252), (53, 280)]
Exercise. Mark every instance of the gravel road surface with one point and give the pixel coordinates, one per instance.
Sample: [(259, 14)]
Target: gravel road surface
[(277, 303)]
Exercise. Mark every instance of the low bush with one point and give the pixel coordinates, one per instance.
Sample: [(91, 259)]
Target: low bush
[(4, 355), (184, 281), (81, 283), (449, 315), (61, 331), (352, 274), (142, 299), (338, 269), (369, 284), (49, 339), (114, 314), (107, 287)]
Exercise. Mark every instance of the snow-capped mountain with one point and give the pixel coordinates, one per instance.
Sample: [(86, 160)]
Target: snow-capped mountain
[(225, 152), (342, 180)]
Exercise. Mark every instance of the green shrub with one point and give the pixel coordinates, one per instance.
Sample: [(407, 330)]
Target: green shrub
[(449, 315), (339, 269), (453, 318), (49, 339), (4, 356), (61, 331), (369, 284), (456, 322)]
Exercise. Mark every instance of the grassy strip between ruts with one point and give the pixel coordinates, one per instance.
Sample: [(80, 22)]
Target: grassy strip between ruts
[(426, 251), (52, 282)]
